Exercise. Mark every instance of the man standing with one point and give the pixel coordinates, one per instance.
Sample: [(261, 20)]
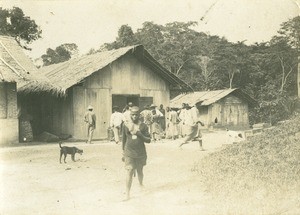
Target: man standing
[(193, 125), (173, 123), (146, 117), (116, 120), (90, 120), (134, 136), (182, 116), (162, 120)]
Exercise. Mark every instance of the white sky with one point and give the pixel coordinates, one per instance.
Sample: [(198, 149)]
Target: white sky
[(90, 23)]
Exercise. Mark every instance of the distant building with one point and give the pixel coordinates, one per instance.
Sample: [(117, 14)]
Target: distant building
[(227, 108)]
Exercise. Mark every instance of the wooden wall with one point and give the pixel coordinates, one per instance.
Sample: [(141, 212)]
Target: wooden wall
[(230, 111), (126, 76)]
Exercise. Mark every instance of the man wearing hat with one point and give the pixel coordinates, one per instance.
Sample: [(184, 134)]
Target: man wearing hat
[(116, 120), (90, 120), (134, 136)]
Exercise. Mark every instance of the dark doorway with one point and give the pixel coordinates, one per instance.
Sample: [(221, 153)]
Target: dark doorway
[(122, 100)]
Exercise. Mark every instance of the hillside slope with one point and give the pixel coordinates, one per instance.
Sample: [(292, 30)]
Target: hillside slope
[(259, 176)]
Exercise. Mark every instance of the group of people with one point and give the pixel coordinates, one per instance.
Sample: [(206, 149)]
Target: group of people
[(139, 127), (180, 121), (153, 117)]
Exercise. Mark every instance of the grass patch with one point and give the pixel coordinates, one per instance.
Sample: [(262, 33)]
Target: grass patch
[(259, 176)]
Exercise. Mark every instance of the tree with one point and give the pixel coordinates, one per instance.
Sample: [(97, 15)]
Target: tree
[(151, 36), (178, 45), (284, 57), (208, 79), (14, 23), (227, 60), (61, 53), (125, 38), (290, 31)]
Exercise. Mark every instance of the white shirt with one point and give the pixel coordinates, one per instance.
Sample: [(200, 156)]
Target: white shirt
[(158, 112), (126, 116), (192, 116), (183, 115), (116, 119)]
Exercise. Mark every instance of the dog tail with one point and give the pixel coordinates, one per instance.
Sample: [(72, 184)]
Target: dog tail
[(60, 144)]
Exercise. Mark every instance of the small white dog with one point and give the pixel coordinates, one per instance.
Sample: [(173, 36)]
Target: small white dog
[(234, 136)]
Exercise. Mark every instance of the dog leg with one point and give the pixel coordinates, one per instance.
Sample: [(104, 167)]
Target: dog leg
[(65, 158), (60, 156), (73, 157)]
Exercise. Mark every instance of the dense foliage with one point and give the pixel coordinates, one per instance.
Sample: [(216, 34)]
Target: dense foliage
[(61, 53), (266, 71), (13, 22), (260, 176)]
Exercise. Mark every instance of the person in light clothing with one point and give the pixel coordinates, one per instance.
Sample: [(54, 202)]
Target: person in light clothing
[(116, 120), (173, 123), (90, 120), (182, 116), (193, 123), (146, 117)]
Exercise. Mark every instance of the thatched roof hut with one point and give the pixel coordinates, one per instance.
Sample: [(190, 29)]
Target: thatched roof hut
[(67, 74), (103, 80), (16, 67)]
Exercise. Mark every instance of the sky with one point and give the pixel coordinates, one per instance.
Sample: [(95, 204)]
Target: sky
[(91, 23)]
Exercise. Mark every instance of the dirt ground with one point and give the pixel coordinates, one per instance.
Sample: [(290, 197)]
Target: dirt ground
[(34, 182)]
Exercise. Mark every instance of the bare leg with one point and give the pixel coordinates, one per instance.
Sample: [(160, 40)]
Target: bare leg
[(182, 144), (192, 134), (128, 183), (140, 175), (200, 144)]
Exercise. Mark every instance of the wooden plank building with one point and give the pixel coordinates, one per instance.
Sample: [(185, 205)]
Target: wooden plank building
[(220, 108), (103, 79)]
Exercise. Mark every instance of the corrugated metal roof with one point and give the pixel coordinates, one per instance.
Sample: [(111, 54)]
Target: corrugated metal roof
[(208, 97), (71, 72)]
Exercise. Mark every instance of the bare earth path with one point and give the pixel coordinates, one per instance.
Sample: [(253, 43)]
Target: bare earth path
[(34, 182)]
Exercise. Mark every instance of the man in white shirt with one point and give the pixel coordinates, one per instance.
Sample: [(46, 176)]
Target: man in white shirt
[(193, 122), (182, 116), (116, 120)]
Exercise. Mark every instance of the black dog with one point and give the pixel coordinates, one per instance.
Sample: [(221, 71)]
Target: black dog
[(69, 150)]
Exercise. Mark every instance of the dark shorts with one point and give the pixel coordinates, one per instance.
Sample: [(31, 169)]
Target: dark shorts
[(134, 163)]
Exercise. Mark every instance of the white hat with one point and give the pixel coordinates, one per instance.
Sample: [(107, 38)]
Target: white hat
[(153, 105), (90, 107)]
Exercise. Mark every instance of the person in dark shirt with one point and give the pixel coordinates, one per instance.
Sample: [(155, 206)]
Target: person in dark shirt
[(135, 135)]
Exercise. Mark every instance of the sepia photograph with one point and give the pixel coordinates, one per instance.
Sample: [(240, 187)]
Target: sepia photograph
[(150, 107)]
